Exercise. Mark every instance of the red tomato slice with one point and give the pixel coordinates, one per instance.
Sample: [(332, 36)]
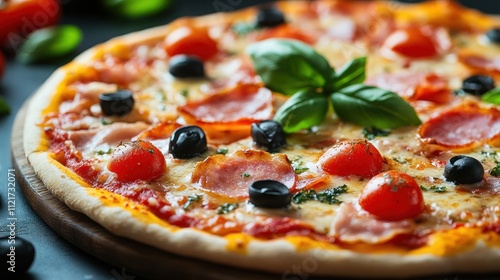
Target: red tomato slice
[(21, 17), (288, 32), (352, 157), (137, 160), (191, 40), (392, 196), (413, 42)]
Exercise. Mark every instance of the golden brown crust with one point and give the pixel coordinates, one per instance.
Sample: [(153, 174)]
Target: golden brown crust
[(236, 249)]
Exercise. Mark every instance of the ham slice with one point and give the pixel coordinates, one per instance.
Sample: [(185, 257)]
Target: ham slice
[(226, 116), (352, 224), (231, 175), (89, 140), (461, 128)]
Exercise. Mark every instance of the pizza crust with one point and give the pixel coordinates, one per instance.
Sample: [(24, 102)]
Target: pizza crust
[(277, 256)]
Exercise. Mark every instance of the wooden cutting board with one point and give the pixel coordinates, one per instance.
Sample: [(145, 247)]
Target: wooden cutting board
[(138, 259)]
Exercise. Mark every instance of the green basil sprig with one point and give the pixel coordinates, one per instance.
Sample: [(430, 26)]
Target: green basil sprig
[(49, 43), (492, 96), (294, 68)]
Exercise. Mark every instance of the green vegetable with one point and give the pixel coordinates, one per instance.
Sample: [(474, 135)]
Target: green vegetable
[(222, 151), (4, 107), (226, 208), (373, 107), (191, 200), (350, 74), (495, 171), (372, 132), (49, 43), (243, 28), (294, 68), (492, 96), (297, 165), (289, 66), (301, 111), (328, 196), (134, 9), (436, 189)]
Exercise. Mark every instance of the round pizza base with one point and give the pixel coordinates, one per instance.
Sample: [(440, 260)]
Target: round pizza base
[(276, 256)]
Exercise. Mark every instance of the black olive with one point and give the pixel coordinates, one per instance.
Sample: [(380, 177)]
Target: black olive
[(269, 17), (16, 252), (268, 134), (463, 170), (494, 35), (185, 66), (187, 142), (117, 103), (478, 84), (269, 194)]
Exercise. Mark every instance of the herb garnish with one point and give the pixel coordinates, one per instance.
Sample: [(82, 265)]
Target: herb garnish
[(4, 107), (328, 196), (295, 69), (297, 165), (436, 189), (191, 200), (222, 151), (371, 132), (226, 208), (492, 96), (495, 171)]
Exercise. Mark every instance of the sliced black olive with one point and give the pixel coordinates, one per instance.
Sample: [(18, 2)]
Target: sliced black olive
[(269, 17), (187, 142), (117, 103), (463, 170), (478, 84), (269, 194), (20, 258), (268, 134), (494, 35), (185, 66)]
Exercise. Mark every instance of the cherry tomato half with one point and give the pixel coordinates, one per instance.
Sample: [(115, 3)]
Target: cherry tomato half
[(352, 157), (190, 40), (20, 17), (392, 196), (412, 42), (137, 160)]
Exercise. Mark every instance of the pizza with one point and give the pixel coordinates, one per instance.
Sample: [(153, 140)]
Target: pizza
[(341, 138)]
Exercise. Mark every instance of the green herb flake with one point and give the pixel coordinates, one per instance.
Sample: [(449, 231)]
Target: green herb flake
[(328, 196), (104, 152), (191, 200), (245, 175), (495, 171), (105, 121), (371, 132), (184, 92), (436, 189), (227, 208), (297, 165), (244, 28), (222, 151)]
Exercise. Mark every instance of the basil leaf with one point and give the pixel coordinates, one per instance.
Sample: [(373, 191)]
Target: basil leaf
[(492, 96), (303, 110), (350, 74), (134, 9), (4, 107), (49, 43), (369, 106), (289, 66)]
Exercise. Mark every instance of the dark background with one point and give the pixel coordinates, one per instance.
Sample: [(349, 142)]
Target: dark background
[(56, 258)]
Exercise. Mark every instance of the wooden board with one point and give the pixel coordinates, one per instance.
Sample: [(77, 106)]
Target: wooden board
[(139, 259)]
